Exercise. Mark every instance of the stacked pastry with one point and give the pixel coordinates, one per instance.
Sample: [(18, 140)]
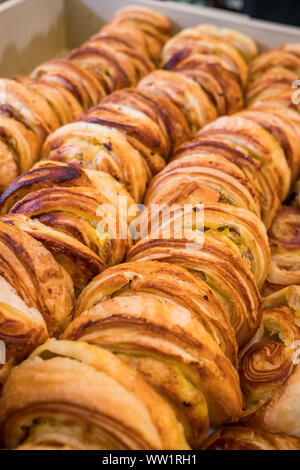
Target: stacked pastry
[(163, 328), (60, 90), (169, 106)]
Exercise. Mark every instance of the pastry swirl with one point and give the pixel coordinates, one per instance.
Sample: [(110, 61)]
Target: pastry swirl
[(284, 241), (269, 367), (242, 438)]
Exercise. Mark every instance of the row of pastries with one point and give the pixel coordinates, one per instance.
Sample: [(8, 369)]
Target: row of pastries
[(60, 90), (148, 343)]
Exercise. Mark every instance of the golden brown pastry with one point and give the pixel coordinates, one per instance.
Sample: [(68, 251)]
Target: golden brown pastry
[(284, 239), (77, 396), (100, 147), (215, 261), (262, 145), (245, 45), (83, 213), (242, 438), (185, 93), (223, 88), (77, 80), (166, 281), (272, 81), (63, 103), (36, 293), (193, 40), (279, 122), (235, 226), (141, 132), (156, 28), (19, 150), (125, 65), (28, 107), (256, 175), (165, 338), (171, 121), (200, 178), (269, 367)]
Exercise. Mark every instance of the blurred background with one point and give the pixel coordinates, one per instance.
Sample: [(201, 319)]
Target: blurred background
[(280, 11)]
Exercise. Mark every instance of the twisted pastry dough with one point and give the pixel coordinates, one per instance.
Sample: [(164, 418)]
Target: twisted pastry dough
[(185, 93), (61, 397), (256, 175), (80, 82), (239, 438), (36, 294), (203, 178), (101, 148), (194, 40), (155, 27), (28, 107), (269, 367), (171, 121), (216, 261), (19, 150), (62, 102), (70, 242), (165, 337), (262, 145), (273, 70), (284, 125), (284, 239)]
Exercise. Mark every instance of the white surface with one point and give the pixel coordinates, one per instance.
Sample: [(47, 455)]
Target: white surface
[(32, 31)]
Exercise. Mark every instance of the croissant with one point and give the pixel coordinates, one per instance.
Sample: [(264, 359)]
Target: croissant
[(101, 148), (156, 28), (217, 263), (285, 56), (273, 71), (262, 145), (62, 102), (83, 213), (165, 280), (37, 295), (71, 395), (77, 80), (279, 98), (185, 93), (280, 123), (269, 367), (237, 227), (193, 40), (165, 338), (142, 132), (203, 178), (19, 150), (284, 240), (222, 87), (240, 438), (256, 176), (273, 81), (28, 107)]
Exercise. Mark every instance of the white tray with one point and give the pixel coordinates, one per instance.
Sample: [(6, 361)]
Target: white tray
[(32, 31)]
